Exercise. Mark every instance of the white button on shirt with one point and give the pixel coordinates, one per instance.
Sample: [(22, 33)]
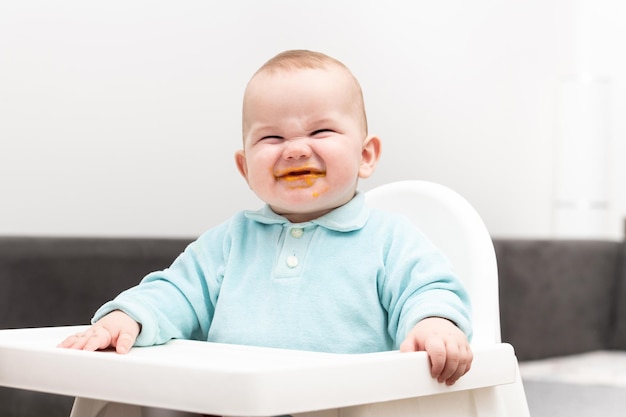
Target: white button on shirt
[(297, 232), (292, 261)]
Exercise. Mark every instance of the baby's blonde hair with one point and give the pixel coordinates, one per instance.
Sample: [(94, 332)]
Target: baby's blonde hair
[(297, 59)]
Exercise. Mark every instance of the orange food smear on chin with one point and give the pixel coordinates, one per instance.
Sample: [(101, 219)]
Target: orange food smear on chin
[(318, 193)]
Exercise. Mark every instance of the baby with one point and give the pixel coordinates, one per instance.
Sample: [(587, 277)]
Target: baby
[(315, 268)]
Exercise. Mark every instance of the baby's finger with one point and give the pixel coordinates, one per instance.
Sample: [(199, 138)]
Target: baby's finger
[(436, 349), (460, 371), (125, 341), (464, 364), (98, 338), (67, 342), (76, 341), (410, 344), (452, 358)]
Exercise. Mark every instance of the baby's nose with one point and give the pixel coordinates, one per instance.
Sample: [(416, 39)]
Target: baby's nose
[(297, 149)]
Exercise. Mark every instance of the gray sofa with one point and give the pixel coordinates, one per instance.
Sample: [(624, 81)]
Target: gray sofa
[(556, 297), (562, 297)]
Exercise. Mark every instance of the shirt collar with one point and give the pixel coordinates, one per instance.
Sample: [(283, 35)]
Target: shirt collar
[(351, 216)]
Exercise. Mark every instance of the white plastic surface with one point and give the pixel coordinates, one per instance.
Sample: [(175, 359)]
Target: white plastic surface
[(454, 226), (232, 380)]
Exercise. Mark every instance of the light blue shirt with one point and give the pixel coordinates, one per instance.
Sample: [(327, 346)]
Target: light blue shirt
[(355, 280)]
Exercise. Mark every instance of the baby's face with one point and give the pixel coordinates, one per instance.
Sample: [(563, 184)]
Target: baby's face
[(304, 141)]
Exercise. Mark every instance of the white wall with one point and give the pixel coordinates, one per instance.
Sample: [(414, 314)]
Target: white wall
[(121, 117)]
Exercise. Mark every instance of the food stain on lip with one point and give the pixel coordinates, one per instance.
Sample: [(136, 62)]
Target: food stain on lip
[(305, 175)]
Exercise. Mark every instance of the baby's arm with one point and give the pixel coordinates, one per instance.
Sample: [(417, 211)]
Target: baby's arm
[(116, 329), (447, 347)]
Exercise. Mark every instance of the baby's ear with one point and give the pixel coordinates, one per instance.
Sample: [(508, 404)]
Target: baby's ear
[(369, 156), (240, 161)]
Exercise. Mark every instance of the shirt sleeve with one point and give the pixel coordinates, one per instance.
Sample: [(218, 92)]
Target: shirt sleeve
[(177, 302), (420, 282)]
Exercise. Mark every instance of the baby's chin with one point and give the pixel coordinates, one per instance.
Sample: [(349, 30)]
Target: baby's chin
[(302, 213), (305, 210)]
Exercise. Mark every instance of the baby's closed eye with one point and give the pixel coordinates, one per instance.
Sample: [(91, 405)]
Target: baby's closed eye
[(322, 133)]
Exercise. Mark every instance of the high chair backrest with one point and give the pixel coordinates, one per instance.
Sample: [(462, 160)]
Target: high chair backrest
[(454, 226)]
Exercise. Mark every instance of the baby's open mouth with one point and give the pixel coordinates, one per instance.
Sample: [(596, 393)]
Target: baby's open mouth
[(300, 174)]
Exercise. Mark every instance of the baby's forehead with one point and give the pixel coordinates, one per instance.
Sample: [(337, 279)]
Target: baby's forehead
[(286, 80), (267, 82)]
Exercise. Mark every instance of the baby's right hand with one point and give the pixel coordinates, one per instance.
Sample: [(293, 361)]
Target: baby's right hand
[(116, 329)]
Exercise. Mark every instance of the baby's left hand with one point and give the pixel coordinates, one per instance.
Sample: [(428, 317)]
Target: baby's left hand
[(447, 347)]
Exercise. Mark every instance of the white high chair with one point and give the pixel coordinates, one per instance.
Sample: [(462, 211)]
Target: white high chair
[(453, 225), (234, 380)]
